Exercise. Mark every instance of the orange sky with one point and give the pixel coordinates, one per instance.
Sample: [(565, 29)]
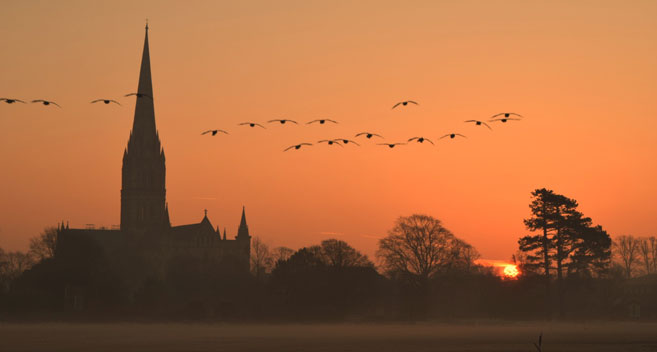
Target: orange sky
[(583, 73)]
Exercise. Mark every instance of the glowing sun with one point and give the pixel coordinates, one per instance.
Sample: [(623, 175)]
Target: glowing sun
[(511, 271)]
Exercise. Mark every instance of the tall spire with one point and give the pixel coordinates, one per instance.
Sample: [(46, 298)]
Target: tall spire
[(144, 123), (243, 230), (143, 192)]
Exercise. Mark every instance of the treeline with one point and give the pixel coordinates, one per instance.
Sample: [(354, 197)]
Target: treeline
[(569, 269)]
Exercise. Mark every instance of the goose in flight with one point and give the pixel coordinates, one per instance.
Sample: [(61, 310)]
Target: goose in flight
[(321, 121), (45, 102), (345, 141), (296, 146), (11, 101), (282, 121), (479, 123), (404, 103), (391, 145), (369, 135), (214, 132), (506, 114), (139, 95), (330, 142), (421, 140), (106, 101), (453, 135), (251, 124), (504, 119)]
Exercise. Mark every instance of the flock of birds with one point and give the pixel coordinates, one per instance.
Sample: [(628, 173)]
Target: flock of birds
[(500, 117)]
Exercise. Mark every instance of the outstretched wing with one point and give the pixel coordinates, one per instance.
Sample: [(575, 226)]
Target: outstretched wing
[(429, 140), (244, 123), (394, 106), (447, 135), (259, 125), (222, 131), (513, 113), (350, 141), (206, 132), (114, 101), (329, 120), (292, 121), (97, 100), (485, 124), (410, 101), (414, 138), (458, 134), (308, 123), (38, 101), (290, 147), (270, 121), (496, 115)]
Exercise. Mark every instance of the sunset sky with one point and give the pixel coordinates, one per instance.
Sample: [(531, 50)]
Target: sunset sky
[(583, 73)]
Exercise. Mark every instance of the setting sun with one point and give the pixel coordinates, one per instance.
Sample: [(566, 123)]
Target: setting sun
[(511, 271)]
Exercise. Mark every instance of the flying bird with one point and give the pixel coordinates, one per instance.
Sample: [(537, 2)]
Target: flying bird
[(420, 140), (330, 142), (214, 132), (11, 101), (506, 114), (106, 101), (479, 123), (321, 121), (504, 119), (251, 124), (139, 95), (296, 146), (369, 135), (282, 121), (453, 135), (345, 141), (391, 145), (404, 103), (45, 102)]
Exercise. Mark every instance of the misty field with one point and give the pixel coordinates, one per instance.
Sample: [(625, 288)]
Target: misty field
[(328, 337)]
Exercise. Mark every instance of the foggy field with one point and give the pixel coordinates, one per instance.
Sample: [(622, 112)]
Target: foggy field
[(505, 337)]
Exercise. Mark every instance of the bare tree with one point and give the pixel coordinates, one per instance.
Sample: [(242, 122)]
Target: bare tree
[(420, 247), (43, 246), (261, 258), (281, 254), (627, 250), (12, 265), (340, 254), (647, 252)]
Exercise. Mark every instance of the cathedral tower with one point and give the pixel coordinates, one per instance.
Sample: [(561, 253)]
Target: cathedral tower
[(143, 192)]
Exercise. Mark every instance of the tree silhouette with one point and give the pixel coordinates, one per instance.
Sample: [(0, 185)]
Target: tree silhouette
[(261, 258), (419, 247), (43, 246), (627, 250), (648, 254)]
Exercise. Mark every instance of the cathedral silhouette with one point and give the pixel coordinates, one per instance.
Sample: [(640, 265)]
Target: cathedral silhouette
[(145, 229)]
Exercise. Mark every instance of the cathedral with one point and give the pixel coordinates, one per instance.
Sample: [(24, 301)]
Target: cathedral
[(145, 228)]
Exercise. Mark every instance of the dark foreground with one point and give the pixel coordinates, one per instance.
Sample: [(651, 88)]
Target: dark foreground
[(505, 337)]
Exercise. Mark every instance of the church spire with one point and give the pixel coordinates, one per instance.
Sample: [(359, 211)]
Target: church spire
[(243, 230), (144, 122), (143, 193)]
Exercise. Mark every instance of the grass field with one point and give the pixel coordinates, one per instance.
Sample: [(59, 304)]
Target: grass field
[(507, 337)]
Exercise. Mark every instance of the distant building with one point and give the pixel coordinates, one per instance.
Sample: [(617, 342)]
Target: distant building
[(145, 226)]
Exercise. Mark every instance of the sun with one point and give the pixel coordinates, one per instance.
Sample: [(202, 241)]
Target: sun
[(511, 271)]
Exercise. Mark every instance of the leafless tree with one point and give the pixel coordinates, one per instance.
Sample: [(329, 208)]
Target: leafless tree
[(281, 254), (12, 265), (648, 254), (340, 254), (44, 246), (420, 247), (627, 251), (261, 258)]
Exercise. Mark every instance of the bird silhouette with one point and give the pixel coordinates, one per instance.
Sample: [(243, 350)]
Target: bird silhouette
[(251, 124), (420, 140), (106, 101), (214, 132), (453, 135), (404, 103), (391, 145), (504, 119), (297, 146), (330, 142), (45, 102), (282, 121), (11, 101), (321, 121), (369, 135), (479, 123), (345, 141), (506, 114), (139, 95)]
